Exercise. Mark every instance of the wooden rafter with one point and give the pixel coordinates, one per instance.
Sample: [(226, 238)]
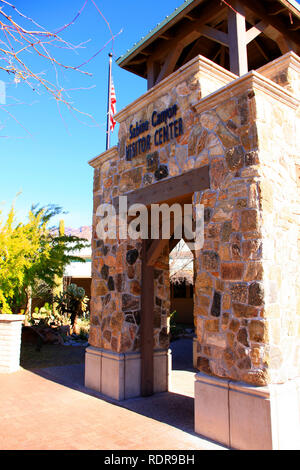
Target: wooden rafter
[(259, 9), (223, 48), (255, 31), (190, 17), (166, 36), (138, 61), (215, 35), (274, 9), (284, 44), (278, 20), (295, 26), (152, 72), (194, 50), (260, 49), (188, 34), (222, 56), (237, 39), (169, 63)]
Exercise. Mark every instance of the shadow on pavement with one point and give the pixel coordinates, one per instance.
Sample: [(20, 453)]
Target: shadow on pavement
[(175, 408)]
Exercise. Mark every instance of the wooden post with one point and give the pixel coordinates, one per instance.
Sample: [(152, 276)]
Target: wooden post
[(152, 72), (147, 324), (237, 39)]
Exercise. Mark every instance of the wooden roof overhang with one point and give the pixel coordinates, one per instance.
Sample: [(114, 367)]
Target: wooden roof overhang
[(239, 35)]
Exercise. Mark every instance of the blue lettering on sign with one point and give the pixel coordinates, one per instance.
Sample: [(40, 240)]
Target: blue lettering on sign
[(170, 128)]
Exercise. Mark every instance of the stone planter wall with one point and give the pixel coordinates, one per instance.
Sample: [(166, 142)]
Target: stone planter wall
[(10, 342)]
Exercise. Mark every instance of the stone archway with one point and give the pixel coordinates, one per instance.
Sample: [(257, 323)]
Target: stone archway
[(135, 301), (155, 299), (239, 136)]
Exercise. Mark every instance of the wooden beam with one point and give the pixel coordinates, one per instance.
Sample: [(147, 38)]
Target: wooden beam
[(194, 50), (167, 37), (214, 35), (284, 44), (189, 33), (222, 56), (223, 27), (290, 7), (295, 26), (138, 61), (173, 188), (155, 250), (259, 9), (275, 9), (170, 63), (260, 49), (152, 72), (237, 39), (217, 54), (147, 325), (255, 31), (190, 17)]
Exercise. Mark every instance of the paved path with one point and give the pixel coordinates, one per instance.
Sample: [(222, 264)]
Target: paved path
[(55, 411)]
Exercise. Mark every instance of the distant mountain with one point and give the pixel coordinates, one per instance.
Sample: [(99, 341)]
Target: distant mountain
[(83, 232)]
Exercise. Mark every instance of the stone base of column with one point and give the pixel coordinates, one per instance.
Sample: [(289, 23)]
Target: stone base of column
[(118, 376), (245, 417)]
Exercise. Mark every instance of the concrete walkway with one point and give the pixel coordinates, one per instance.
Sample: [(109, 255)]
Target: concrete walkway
[(51, 409)]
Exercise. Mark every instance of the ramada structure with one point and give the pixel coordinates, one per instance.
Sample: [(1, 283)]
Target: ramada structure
[(219, 125)]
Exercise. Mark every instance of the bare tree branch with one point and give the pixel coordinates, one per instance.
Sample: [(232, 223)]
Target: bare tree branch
[(20, 35)]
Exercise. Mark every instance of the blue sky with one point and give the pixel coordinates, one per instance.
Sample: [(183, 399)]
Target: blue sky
[(50, 164)]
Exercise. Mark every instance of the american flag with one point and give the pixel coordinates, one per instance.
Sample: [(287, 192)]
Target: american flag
[(113, 108)]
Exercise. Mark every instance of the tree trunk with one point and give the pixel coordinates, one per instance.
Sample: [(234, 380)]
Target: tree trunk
[(28, 310), (74, 323)]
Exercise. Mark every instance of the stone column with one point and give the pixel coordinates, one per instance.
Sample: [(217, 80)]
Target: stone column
[(247, 393), (247, 276), (113, 359)]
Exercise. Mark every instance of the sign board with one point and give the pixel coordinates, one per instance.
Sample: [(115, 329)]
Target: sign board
[(163, 127)]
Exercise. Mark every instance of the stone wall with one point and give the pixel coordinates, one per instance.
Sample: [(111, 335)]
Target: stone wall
[(228, 307), (116, 264), (279, 189), (247, 276), (283, 165), (285, 72), (245, 286)]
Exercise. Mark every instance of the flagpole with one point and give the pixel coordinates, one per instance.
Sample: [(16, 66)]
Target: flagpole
[(108, 103)]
